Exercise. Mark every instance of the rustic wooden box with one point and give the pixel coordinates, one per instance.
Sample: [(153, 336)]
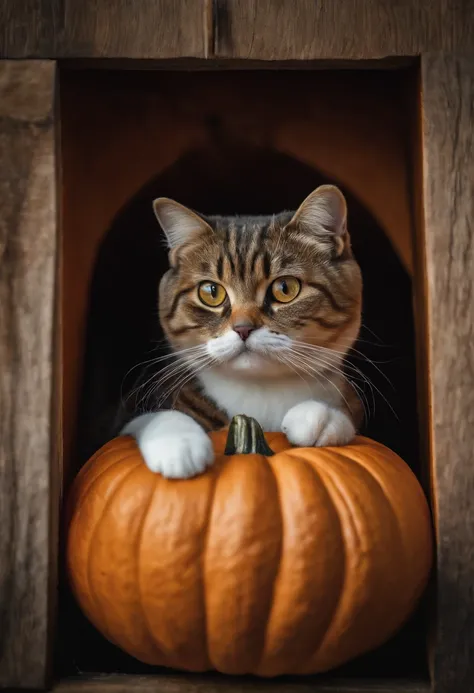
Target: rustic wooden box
[(55, 207)]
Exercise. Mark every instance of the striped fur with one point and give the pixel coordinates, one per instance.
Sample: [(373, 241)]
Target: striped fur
[(245, 255)]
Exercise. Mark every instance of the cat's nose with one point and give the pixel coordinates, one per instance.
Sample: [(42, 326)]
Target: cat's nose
[(244, 331)]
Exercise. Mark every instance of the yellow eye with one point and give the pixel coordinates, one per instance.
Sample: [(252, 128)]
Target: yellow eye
[(286, 289), (211, 294)]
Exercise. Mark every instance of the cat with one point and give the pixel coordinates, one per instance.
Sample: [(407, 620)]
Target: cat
[(260, 314)]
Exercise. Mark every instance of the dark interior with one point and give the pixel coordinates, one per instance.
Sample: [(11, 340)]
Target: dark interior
[(228, 175)]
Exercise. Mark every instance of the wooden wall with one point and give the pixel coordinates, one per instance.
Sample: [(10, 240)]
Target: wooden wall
[(447, 101), (29, 387), (233, 29)]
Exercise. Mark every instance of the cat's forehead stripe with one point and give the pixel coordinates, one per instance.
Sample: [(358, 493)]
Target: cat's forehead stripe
[(247, 251), (244, 252)]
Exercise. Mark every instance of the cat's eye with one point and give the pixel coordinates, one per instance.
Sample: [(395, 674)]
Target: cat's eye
[(285, 289), (211, 294)]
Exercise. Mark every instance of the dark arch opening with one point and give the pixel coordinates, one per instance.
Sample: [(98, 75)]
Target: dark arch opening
[(236, 178), (227, 178)]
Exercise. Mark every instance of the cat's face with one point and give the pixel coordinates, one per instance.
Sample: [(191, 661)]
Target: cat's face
[(247, 295)]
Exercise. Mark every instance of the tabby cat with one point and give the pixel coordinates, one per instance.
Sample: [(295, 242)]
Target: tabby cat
[(260, 313)]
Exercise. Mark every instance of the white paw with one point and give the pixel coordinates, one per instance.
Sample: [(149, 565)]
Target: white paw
[(172, 444), (315, 424)]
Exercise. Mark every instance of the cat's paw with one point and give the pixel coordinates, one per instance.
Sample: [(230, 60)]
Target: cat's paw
[(177, 457), (315, 424), (172, 444)]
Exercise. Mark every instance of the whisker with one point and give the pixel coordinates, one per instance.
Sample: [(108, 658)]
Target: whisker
[(157, 386), (158, 359), (317, 374), (371, 385), (335, 368), (158, 376), (176, 369), (173, 369), (210, 361), (287, 362), (154, 361), (361, 395), (181, 382), (374, 334), (379, 345), (346, 354), (326, 360)]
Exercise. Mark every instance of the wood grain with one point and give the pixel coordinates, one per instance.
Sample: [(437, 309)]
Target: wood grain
[(28, 481), (220, 684), (102, 29), (448, 191), (340, 29), (246, 29)]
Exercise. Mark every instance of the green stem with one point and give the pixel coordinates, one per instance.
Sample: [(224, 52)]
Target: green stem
[(246, 437)]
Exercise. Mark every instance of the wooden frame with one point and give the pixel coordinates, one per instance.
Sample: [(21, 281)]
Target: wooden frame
[(29, 474), (225, 34)]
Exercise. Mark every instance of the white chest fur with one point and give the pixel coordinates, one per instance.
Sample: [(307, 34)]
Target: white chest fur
[(267, 400)]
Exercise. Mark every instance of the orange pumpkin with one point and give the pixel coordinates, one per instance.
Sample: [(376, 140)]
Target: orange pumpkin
[(286, 563)]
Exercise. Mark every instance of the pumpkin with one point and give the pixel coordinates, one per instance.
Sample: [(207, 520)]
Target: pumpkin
[(286, 563)]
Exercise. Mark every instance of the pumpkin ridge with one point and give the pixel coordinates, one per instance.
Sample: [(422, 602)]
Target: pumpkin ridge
[(327, 466), (104, 450), (270, 463), (387, 500), (337, 603), (205, 540), (375, 476), (90, 582), (332, 490), (274, 463), (383, 490), (137, 562), (76, 492), (77, 503), (90, 485), (396, 459)]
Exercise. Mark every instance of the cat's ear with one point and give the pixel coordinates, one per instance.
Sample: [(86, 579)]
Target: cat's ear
[(324, 213), (178, 222)]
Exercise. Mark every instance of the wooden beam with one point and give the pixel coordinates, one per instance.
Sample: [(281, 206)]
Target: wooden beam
[(97, 29), (28, 481), (247, 29), (188, 683), (340, 29), (447, 98)]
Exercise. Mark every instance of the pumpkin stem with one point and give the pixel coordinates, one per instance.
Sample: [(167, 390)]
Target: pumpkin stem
[(246, 437)]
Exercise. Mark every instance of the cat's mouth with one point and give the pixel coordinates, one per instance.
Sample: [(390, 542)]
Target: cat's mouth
[(259, 351), (250, 360)]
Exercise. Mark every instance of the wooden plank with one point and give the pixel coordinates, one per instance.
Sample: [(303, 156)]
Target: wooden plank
[(340, 29), (188, 683), (28, 481), (448, 190), (99, 29), (247, 29)]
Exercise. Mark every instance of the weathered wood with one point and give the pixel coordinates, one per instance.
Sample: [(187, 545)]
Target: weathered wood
[(247, 29), (340, 29), (102, 29), (448, 191), (28, 481), (221, 684)]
